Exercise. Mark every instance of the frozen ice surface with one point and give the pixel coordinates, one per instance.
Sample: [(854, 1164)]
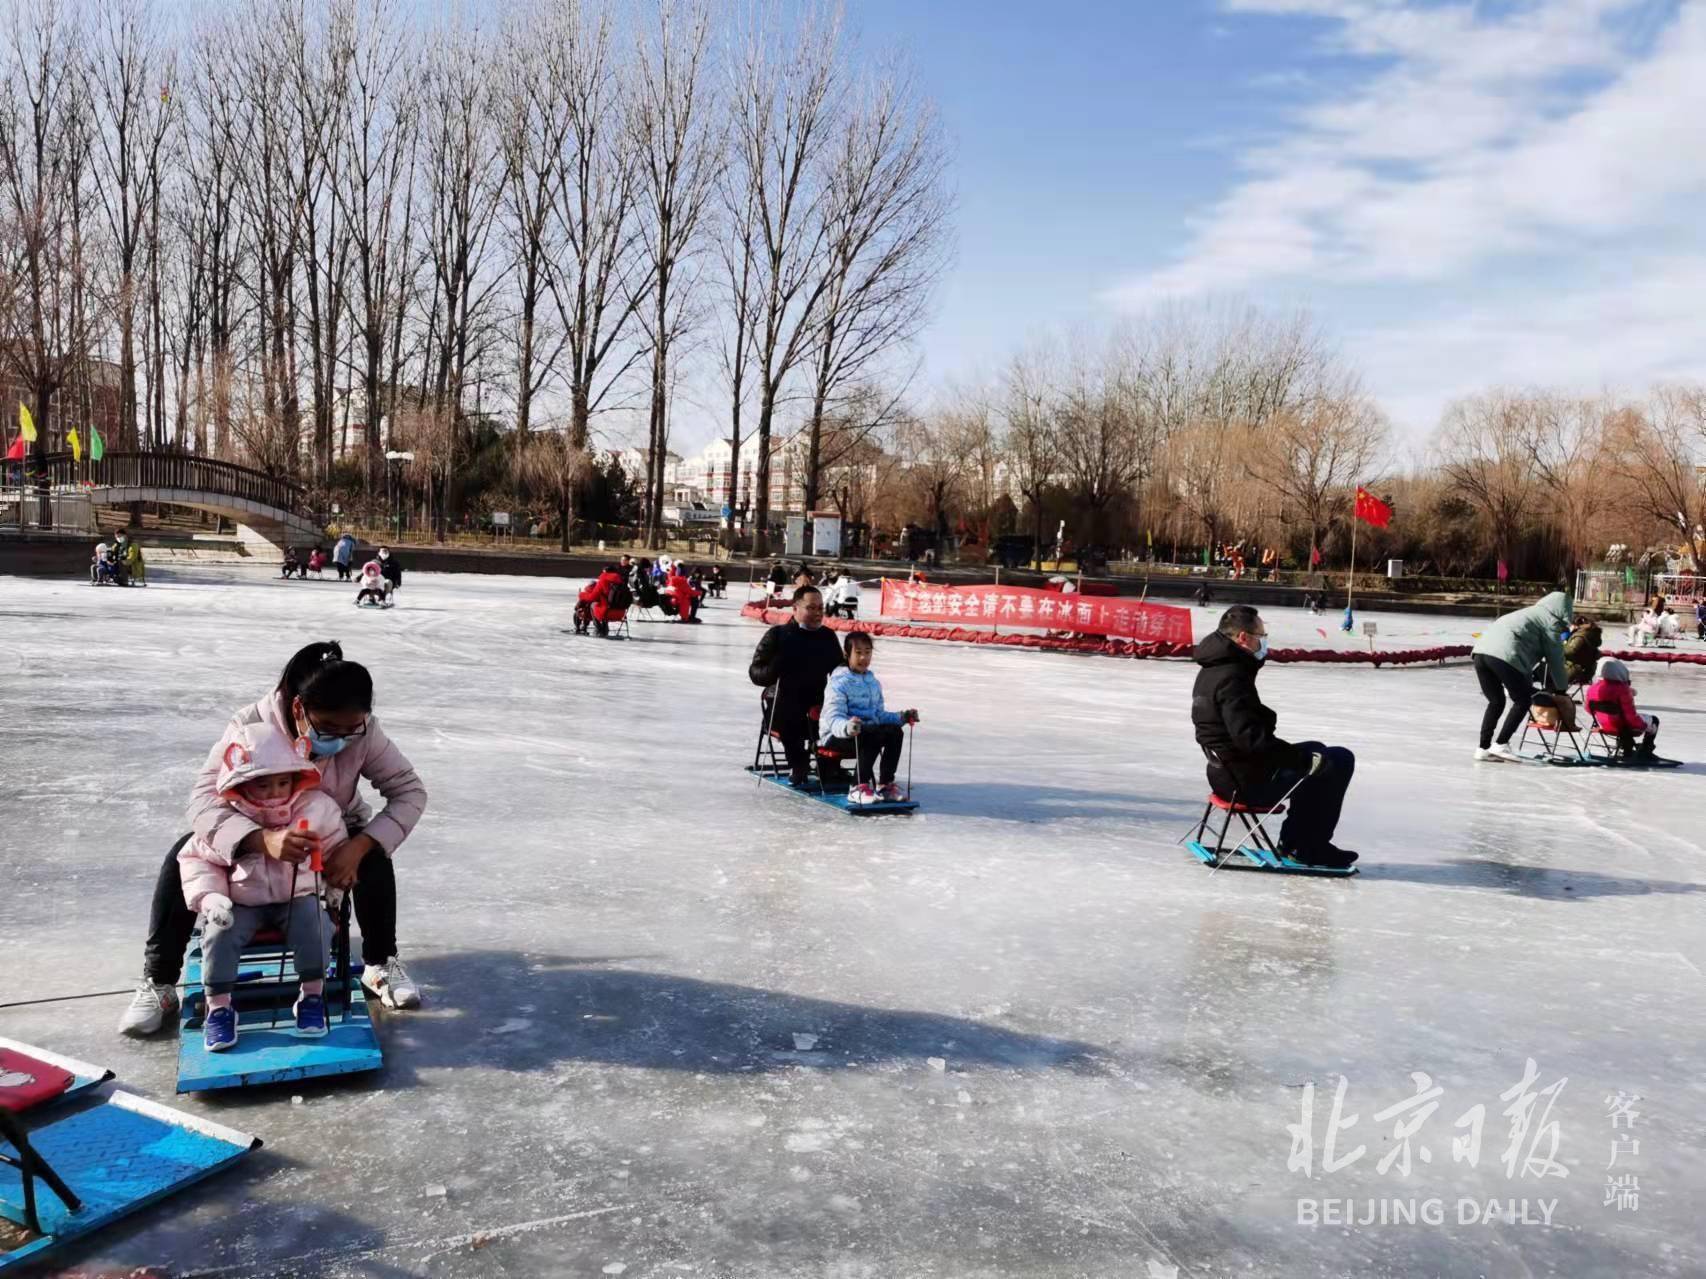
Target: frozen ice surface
[(621, 937)]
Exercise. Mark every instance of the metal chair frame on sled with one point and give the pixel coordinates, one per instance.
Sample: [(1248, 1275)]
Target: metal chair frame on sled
[(1553, 746), (268, 1047), (769, 758), (1256, 849), (1621, 749)]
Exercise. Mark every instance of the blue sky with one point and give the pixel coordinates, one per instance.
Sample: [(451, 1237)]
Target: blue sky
[(1464, 194)]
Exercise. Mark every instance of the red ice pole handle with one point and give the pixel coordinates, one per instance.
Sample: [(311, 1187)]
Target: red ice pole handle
[(314, 862)]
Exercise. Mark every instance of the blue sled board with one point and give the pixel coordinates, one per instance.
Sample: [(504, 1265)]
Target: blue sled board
[(268, 1049), (1242, 858), (117, 1156), (836, 799)]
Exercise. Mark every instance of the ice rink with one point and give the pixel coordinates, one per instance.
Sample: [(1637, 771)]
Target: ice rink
[(680, 1023)]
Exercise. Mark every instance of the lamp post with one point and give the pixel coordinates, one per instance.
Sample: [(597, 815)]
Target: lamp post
[(395, 460)]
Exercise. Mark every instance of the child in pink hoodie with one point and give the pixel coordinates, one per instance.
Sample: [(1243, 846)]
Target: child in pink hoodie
[(270, 780)]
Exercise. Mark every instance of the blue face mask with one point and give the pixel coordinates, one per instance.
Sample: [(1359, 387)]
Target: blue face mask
[(1262, 649), (321, 746)]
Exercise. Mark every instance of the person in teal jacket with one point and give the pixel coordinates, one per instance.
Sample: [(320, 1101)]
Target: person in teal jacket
[(1505, 658)]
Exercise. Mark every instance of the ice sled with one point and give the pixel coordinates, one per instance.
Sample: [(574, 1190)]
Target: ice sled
[(835, 797), (770, 763), (268, 1048), (1255, 849), (67, 1171), (372, 604)]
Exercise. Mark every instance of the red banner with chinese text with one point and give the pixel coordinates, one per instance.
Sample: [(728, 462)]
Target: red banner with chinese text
[(1021, 606)]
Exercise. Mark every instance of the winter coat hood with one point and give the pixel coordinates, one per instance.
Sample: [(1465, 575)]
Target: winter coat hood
[(1215, 649), (261, 750), (1610, 669), (1529, 636)]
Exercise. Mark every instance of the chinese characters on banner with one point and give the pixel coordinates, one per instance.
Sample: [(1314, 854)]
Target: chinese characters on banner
[(1020, 606)]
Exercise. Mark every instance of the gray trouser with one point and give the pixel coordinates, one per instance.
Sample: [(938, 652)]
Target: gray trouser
[(307, 932)]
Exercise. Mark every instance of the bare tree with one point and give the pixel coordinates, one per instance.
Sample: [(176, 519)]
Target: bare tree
[(547, 459), (461, 173), (376, 135), (735, 236), (45, 144), (1483, 447), (672, 123), (1030, 436), (598, 277), (128, 66), (1660, 452), (1311, 457), (532, 110), (886, 211), (788, 96)]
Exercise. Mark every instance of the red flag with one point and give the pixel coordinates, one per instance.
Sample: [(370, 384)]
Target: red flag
[(1314, 557), (16, 452), (1504, 571), (1371, 510)]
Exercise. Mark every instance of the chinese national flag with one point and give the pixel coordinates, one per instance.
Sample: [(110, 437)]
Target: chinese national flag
[(1314, 557), (16, 452), (1371, 510)]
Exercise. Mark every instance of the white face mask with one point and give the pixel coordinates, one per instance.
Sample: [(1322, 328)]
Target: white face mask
[(1261, 653)]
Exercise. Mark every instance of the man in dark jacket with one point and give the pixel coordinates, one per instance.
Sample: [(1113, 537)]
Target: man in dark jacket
[(793, 661), (1237, 733)]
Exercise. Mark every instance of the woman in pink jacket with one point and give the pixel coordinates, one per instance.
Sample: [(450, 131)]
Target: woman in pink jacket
[(330, 702)]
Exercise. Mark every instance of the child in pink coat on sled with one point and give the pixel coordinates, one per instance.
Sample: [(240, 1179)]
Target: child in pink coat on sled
[(270, 780)]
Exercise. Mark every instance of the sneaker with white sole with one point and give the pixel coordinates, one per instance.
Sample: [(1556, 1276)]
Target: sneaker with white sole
[(391, 984), (1481, 753), (889, 793), (863, 794), (149, 1009), (1503, 752)]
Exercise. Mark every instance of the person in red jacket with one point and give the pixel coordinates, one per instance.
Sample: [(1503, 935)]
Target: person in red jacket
[(601, 602), (681, 590), (1611, 699)]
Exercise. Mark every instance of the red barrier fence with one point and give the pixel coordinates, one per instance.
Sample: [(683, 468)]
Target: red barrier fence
[(1106, 647), (1667, 656)]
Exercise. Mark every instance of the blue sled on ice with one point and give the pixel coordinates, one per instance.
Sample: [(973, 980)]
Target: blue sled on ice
[(835, 797), (268, 1049), (1255, 850), (67, 1171)]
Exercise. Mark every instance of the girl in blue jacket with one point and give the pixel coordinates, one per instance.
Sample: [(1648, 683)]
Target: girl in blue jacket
[(854, 722)]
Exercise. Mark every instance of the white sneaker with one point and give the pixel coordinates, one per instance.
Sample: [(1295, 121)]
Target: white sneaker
[(391, 984), (148, 1009), (1502, 751), (863, 794), (1481, 753)]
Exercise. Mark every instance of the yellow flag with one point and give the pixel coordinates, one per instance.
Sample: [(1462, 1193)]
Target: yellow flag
[(26, 423), (75, 443)]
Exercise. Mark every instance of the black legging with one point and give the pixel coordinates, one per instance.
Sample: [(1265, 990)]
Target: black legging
[(170, 921), (1498, 677)]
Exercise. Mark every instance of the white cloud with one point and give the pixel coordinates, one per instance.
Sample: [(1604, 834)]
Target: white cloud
[(1471, 138), (1622, 334)]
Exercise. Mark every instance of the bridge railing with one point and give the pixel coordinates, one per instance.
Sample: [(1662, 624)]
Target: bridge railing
[(178, 471)]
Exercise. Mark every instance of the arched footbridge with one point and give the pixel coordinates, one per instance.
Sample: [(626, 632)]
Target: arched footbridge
[(271, 508)]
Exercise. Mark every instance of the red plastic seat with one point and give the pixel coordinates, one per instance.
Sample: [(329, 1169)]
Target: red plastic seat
[(1230, 807), (26, 1082)]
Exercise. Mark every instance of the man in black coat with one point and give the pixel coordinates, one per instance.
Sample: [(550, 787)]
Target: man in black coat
[(794, 661), (1237, 733)]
